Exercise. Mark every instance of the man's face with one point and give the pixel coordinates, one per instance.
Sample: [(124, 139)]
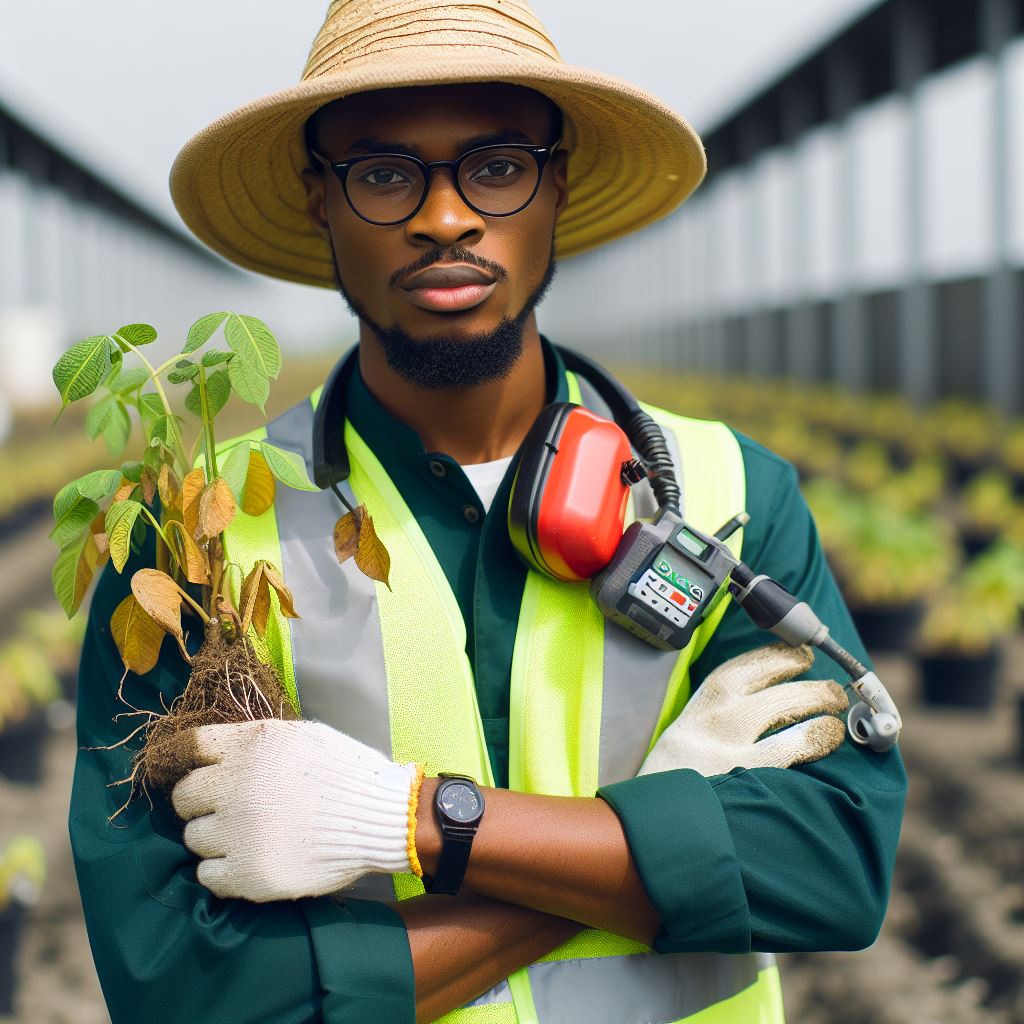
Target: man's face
[(376, 263)]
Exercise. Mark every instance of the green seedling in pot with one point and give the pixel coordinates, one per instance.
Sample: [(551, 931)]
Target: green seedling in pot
[(187, 493)]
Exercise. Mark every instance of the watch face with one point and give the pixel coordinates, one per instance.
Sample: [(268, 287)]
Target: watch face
[(460, 802)]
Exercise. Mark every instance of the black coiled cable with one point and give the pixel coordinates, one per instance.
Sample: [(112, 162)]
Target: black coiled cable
[(643, 432), (649, 440)]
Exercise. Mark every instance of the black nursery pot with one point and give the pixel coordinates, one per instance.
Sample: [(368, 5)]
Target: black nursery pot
[(22, 745), (888, 627), (1020, 727), (12, 920), (959, 680)]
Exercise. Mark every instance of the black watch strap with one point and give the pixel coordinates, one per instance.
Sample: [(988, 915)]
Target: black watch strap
[(456, 840), (451, 865)]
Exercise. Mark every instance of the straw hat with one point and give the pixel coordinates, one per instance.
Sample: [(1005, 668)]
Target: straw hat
[(236, 184)]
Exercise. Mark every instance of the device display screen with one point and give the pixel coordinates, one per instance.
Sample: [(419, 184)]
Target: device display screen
[(692, 543)]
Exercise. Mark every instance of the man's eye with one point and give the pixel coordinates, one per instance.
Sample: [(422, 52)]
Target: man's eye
[(383, 175), (496, 170)]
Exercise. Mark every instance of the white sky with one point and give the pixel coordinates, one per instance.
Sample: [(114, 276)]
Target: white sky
[(125, 82)]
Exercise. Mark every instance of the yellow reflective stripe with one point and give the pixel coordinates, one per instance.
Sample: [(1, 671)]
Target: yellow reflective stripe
[(246, 540), (443, 733), (522, 997), (556, 691), (417, 650), (488, 1013), (760, 1003), (574, 388)]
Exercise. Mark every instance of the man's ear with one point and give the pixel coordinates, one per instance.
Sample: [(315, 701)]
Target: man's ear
[(560, 178), (315, 184)]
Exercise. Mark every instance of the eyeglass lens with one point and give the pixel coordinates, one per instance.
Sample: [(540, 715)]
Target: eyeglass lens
[(495, 181)]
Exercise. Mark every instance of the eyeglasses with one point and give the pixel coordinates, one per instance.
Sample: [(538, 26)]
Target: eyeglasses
[(390, 188)]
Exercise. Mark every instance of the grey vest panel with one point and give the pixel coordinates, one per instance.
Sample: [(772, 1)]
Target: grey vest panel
[(644, 988), (336, 644), (635, 674)]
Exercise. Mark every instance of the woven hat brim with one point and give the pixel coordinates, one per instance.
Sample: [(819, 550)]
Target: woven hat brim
[(236, 184)]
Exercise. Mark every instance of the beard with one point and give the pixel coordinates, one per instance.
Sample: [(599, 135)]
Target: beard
[(453, 361)]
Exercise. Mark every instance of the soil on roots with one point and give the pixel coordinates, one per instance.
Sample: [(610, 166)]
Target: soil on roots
[(228, 683)]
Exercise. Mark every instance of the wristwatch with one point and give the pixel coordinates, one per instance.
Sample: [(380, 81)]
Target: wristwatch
[(459, 806)]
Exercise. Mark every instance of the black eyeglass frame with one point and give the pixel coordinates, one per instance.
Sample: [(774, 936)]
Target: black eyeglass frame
[(341, 168)]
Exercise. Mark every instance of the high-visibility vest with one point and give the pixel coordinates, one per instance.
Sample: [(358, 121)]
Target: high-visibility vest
[(587, 702)]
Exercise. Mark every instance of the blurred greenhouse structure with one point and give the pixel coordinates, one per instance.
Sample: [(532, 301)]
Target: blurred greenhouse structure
[(862, 222)]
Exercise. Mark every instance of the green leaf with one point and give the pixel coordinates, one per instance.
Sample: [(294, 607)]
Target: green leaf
[(64, 575), (119, 523), (82, 368), (151, 407), (117, 430), (252, 341), (235, 468), (248, 383), (129, 379), (96, 418), (74, 521), (218, 391), (180, 376), (202, 330), (98, 485), (132, 470), (137, 334), (288, 467), (215, 356)]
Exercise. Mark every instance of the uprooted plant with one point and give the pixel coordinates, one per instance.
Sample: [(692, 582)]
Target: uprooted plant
[(105, 515)]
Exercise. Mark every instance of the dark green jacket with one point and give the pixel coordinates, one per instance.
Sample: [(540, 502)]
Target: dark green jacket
[(763, 859)]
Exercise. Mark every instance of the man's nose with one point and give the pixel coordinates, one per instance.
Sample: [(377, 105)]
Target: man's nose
[(444, 218)]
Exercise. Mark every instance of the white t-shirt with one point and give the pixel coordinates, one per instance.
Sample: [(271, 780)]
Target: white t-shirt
[(485, 477)]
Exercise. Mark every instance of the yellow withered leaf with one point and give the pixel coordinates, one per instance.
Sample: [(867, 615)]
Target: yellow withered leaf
[(160, 598), (89, 560), (99, 538), (190, 555), (260, 488), (191, 489), (124, 492), (284, 595), (254, 599), (346, 534), (102, 542), (148, 482), (170, 489), (371, 555), (136, 634), (216, 508)]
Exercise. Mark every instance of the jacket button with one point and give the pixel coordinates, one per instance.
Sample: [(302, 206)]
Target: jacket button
[(471, 512), (437, 468)]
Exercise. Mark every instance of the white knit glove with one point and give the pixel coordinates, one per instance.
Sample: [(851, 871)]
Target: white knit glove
[(292, 809), (741, 700)]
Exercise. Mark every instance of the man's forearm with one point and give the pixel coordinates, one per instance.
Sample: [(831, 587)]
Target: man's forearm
[(565, 856), (462, 946)]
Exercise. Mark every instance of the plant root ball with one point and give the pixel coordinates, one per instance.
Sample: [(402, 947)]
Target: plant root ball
[(228, 683)]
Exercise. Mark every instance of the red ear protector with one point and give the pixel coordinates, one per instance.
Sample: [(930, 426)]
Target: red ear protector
[(568, 499), (658, 580)]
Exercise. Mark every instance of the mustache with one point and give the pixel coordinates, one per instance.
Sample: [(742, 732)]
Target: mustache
[(448, 254)]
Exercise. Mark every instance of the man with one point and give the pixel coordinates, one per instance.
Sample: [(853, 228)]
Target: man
[(469, 663)]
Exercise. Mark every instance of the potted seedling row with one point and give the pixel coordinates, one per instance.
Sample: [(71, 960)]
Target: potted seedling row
[(22, 874), (887, 559), (187, 490), (962, 637)]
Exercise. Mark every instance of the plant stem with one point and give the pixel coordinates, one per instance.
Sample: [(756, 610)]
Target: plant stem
[(198, 608), (154, 376), (204, 403)]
